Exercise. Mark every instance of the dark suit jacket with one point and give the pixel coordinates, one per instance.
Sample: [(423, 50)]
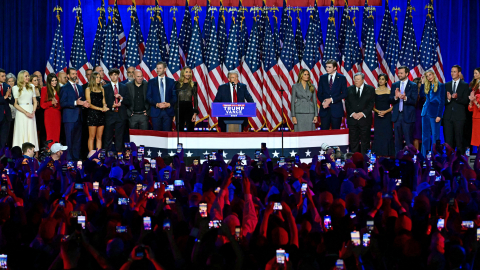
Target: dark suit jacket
[(363, 104), (110, 100), (4, 104), (153, 96), (455, 109), (131, 92), (411, 91), (435, 101), (338, 92), (224, 95), (68, 98)]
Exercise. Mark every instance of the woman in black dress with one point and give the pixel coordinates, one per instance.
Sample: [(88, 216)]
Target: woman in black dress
[(187, 99), (39, 113), (96, 112), (383, 144)]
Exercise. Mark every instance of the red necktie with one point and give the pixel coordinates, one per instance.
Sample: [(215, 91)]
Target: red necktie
[(1, 90), (76, 91), (234, 93), (331, 82), (115, 92)]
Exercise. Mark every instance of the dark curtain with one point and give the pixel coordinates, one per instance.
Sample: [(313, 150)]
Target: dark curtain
[(27, 28)]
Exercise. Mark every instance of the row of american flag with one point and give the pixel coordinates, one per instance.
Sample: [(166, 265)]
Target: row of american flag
[(267, 59)]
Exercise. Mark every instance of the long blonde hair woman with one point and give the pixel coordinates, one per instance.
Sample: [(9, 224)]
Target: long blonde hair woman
[(187, 94), (25, 129), (96, 113), (304, 103)]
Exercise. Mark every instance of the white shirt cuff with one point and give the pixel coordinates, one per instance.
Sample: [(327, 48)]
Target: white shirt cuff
[(331, 100), (75, 103)]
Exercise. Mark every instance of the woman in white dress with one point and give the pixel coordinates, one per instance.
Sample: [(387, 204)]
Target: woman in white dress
[(25, 129)]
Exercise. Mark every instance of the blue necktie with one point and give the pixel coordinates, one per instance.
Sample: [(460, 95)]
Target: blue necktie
[(402, 91), (162, 91)]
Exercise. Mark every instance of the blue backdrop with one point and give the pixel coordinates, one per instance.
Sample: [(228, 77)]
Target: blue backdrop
[(27, 28)]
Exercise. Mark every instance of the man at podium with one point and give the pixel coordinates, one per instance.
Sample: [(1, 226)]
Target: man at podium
[(234, 92)]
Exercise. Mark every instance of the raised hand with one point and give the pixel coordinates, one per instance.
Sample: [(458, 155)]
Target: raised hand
[(397, 93), (449, 96)]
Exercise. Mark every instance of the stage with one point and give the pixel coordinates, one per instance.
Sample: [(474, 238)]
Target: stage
[(305, 144)]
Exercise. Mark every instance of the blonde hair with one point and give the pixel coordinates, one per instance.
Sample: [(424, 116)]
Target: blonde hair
[(182, 77), (309, 83), (427, 82), (21, 83), (92, 83)]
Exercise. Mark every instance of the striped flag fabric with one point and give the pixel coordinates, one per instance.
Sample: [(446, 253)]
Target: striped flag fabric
[(56, 61), (351, 56), (288, 71), (312, 59), (152, 53), (185, 35), (78, 55), (383, 42), (271, 97), (392, 53), (370, 63), (344, 28), (430, 55), (112, 56), (215, 74), (232, 61), (262, 27), (283, 23), (207, 24), (299, 42), (242, 33), (276, 40), (173, 68), (316, 19), (99, 41), (365, 21), (162, 36), (195, 62), (331, 45), (135, 45), (119, 29), (140, 40), (251, 75), (222, 39), (409, 52)]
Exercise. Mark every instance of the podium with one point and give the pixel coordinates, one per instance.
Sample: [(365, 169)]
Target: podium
[(233, 111)]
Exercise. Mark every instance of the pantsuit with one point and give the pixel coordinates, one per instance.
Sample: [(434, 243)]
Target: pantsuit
[(432, 109)]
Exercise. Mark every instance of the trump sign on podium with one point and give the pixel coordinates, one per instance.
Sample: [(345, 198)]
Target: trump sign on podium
[(220, 109)]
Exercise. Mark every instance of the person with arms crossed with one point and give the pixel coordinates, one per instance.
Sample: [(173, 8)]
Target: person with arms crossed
[(454, 116), (140, 110), (234, 92), (117, 100), (359, 105), (332, 89), (403, 100), (72, 100), (162, 99), (5, 112)]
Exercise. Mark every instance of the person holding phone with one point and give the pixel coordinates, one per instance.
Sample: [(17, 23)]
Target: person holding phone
[(304, 103)]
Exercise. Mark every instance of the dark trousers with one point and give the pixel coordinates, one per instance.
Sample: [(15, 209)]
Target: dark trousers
[(359, 132), (4, 131), (453, 132), (73, 134), (328, 121), (163, 122), (403, 131), (114, 131), (138, 121), (185, 117)]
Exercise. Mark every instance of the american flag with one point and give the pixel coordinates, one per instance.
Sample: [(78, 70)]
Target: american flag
[(276, 40), (409, 53), (140, 40), (251, 75), (284, 23), (112, 56), (392, 53), (365, 21), (185, 35), (382, 43), (119, 28), (370, 64), (56, 62), (288, 71), (195, 61), (344, 28), (162, 36), (135, 45), (299, 42), (316, 19), (222, 39), (207, 24), (331, 46), (271, 97), (262, 27), (232, 61), (99, 41), (78, 55), (430, 55), (242, 33), (173, 68), (351, 55), (152, 53), (215, 75)]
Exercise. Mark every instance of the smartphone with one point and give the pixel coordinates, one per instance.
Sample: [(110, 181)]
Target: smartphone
[(110, 154), (370, 225), (121, 229), (468, 224), (478, 234), (147, 167), (166, 175), (195, 162), (61, 202), (355, 236), (123, 201), (166, 224), (438, 178), (327, 222), (386, 195), (147, 223), (151, 195), (70, 165), (179, 148), (153, 163), (370, 167), (214, 224), (277, 206), (414, 158), (353, 215), (339, 265), (95, 186), (139, 187), (280, 256), (398, 182), (297, 159), (366, 239), (4, 187), (79, 165), (3, 261), (170, 200), (238, 231), (282, 161), (75, 214), (238, 172), (81, 221), (178, 183), (202, 208), (140, 251), (140, 156), (157, 185), (257, 154), (338, 163), (141, 149), (111, 189), (440, 224), (264, 145), (120, 156), (432, 173), (217, 190), (169, 188), (304, 187), (78, 186), (373, 158)]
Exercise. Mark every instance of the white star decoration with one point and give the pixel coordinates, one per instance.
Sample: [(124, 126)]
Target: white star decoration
[(308, 153), (275, 154), (171, 153), (159, 153), (241, 153), (293, 153), (206, 153), (189, 154), (225, 154), (149, 153)]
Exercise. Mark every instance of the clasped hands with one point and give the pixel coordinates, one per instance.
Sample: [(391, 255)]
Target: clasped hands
[(357, 116), (450, 96), (326, 102), (399, 95), (162, 105)]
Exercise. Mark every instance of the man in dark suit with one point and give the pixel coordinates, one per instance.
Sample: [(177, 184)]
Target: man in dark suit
[(456, 101), (359, 106), (72, 99), (332, 89), (162, 98), (118, 100), (130, 75), (5, 112), (403, 100), (139, 111), (232, 92)]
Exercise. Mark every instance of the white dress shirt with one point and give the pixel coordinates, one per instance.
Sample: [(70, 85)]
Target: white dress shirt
[(404, 86), (231, 90), (75, 86), (113, 89), (361, 91), (333, 81), (456, 82)]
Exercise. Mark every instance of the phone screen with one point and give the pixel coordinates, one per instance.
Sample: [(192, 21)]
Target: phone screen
[(339, 265), (81, 220), (147, 167), (355, 235), (370, 225), (297, 159), (478, 234), (169, 188), (178, 183), (141, 149), (147, 223), (95, 186), (3, 261), (153, 163), (166, 174), (78, 186), (304, 187), (79, 165), (170, 200), (280, 256), (440, 224), (277, 206), (121, 229), (238, 231), (166, 224), (366, 239), (202, 208), (327, 222), (122, 201), (179, 147), (432, 173)]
